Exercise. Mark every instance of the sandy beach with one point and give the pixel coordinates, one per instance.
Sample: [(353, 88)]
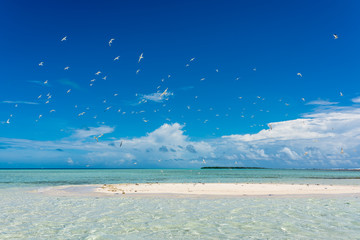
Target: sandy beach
[(226, 189)]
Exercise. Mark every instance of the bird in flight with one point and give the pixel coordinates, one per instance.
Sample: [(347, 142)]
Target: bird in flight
[(341, 94), (46, 82), (97, 137), (335, 36), (137, 71), (68, 91), (299, 74), (64, 38), (165, 92), (117, 58), (97, 73), (192, 59), (66, 68), (141, 57), (8, 121), (111, 40), (121, 143), (41, 64)]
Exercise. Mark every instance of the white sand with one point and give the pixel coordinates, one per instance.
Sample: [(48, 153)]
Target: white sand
[(226, 189)]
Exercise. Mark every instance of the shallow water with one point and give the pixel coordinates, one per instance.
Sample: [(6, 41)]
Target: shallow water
[(27, 215)]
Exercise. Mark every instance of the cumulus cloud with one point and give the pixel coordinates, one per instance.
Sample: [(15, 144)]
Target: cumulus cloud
[(313, 141)]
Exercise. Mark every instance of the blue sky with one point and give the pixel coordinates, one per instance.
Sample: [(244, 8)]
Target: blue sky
[(244, 76)]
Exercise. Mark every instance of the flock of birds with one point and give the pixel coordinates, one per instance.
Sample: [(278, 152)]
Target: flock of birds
[(161, 94)]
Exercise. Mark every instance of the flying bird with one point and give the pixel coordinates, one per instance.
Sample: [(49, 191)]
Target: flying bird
[(202, 79), (137, 71), (52, 110), (104, 77), (111, 40), (97, 73), (335, 36), (192, 59), (121, 143), (64, 38), (165, 92), (68, 91), (141, 57), (8, 121), (299, 74), (46, 82), (66, 68), (41, 64), (117, 58), (341, 94)]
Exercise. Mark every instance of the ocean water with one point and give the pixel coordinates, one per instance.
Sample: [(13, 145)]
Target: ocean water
[(25, 214)]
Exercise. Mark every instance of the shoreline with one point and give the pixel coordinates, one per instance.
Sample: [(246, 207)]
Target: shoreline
[(203, 190)]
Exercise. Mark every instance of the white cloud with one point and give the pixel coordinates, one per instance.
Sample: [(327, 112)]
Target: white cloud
[(156, 97), (92, 131), (315, 140), (20, 102), (356, 100), (321, 102)]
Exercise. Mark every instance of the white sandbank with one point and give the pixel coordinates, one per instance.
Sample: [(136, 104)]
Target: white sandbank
[(226, 189)]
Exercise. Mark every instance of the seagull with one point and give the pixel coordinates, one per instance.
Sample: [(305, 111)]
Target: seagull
[(303, 99), (335, 36), (306, 153), (47, 102), (254, 69), (111, 40), (66, 68), (39, 96), (68, 91), (341, 94), (117, 58), (97, 73), (121, 143), (46, 82), (202, 79), (137, 71), (8, 121), (41, 64), (115, 94), (104, 77), (217, 70), (52, 110), (141, 57), (187, 65), (192, 59), (64, 38), (80, 114), (97, 137), (93, 80), (108, 108), (204, 161), (40, 116), (145, 120), (165, 92), (299, 74)]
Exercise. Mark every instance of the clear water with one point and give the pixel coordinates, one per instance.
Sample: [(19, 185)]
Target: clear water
[(26, 215)]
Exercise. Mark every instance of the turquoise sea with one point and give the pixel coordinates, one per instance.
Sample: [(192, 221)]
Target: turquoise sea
[(25, 214)]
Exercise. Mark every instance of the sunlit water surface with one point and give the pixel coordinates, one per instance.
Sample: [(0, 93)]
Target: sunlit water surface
[(28, 215)]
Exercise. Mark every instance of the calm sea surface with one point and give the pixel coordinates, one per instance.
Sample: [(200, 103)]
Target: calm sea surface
[(28, 215)]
